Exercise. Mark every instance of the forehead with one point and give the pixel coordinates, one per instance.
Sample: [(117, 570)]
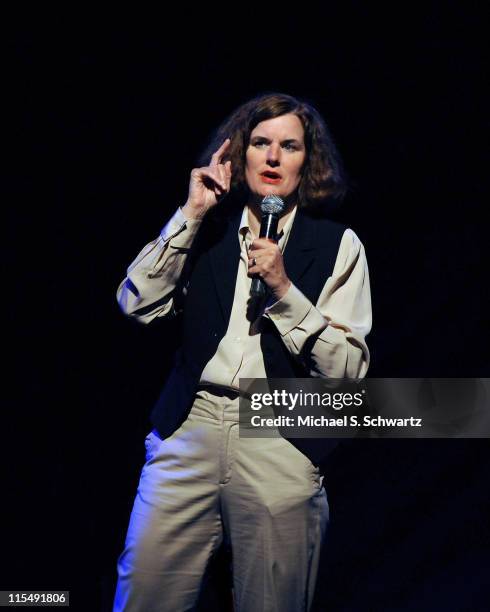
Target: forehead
[(283, 127)]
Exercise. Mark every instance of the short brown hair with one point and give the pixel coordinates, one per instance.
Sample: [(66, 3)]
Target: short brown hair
[(323, 179)]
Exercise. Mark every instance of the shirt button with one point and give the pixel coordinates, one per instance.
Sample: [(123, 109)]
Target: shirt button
[(238, 339)]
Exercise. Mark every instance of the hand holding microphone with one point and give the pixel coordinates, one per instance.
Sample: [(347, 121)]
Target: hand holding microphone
[(265, 258)]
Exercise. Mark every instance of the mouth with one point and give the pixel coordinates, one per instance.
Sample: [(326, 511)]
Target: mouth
[(269, 176)]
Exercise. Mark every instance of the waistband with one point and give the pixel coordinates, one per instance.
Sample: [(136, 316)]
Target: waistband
[(219, 391)]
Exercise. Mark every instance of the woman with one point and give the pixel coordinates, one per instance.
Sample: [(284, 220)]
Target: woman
[(202, 484)]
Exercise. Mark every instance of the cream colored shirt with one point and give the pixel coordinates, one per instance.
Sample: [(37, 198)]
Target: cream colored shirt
[(341, 317)]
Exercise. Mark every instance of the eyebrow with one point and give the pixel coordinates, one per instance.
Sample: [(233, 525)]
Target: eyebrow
[(287, 140)]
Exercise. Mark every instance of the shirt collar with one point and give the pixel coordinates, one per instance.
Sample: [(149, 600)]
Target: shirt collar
[(283, 234)]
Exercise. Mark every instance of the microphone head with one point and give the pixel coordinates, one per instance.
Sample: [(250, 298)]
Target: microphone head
[(272, 205)]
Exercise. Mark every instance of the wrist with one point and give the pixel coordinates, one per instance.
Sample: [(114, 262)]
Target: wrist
[(192, 212), (280, 292)]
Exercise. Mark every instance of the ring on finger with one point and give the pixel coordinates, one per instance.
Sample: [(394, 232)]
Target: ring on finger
[(254, 261)]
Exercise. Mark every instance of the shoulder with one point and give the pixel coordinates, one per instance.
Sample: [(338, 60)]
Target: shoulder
[(324, 233), (351, 252), (320, 221), (351, 240)]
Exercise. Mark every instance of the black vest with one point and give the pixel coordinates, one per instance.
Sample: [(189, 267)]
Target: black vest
[(212, 266)]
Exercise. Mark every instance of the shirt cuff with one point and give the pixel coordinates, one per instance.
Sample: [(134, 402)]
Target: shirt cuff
[(175, 229), (288, 312)]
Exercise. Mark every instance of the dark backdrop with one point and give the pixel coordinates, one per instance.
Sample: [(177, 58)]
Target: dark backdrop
[(106, 121)]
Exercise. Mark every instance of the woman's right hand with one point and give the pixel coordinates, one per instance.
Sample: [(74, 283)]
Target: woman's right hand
[(208, 185)]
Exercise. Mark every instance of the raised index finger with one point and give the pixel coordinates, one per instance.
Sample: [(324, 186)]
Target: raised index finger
[(216, 158)]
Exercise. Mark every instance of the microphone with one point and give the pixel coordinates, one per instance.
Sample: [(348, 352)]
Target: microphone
[(271, 207)]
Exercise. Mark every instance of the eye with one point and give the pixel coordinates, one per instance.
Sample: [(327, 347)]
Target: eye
[(288, 146)]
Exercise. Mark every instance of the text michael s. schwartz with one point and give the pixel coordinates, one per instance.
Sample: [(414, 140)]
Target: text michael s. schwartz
[(352, 421)]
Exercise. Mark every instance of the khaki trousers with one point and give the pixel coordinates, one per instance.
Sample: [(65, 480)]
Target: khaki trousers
[(205, 483)]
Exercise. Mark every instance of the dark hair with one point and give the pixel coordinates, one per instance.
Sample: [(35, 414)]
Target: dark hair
[(323, 178)]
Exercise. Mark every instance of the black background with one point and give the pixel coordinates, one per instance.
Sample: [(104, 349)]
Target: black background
[(104, 121)]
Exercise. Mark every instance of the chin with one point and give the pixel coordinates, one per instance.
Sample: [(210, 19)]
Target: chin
[(263, 190), (275, 189)]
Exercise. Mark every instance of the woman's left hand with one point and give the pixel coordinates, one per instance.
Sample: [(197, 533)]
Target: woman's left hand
[(269, 265)]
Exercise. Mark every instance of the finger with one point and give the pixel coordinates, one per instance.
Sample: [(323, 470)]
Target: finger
[(264, 243), (228, 173), (224, 177), (216, 158), (255, 271), (225, 173), (215, 177), (221, 178), (260, 243)]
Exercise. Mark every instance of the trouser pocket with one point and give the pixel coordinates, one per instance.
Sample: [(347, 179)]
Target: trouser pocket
[(152, 444)]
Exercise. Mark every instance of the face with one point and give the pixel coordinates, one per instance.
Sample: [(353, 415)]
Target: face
[(275, 156)]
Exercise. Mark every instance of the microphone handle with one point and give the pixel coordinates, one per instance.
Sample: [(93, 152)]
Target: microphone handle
[(268, 229)]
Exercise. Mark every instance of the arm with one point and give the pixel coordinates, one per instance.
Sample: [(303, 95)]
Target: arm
[(330, 337), (148, 290), (153, 280)]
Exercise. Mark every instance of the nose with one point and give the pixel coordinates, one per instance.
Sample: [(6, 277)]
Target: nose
[(273, 154)]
